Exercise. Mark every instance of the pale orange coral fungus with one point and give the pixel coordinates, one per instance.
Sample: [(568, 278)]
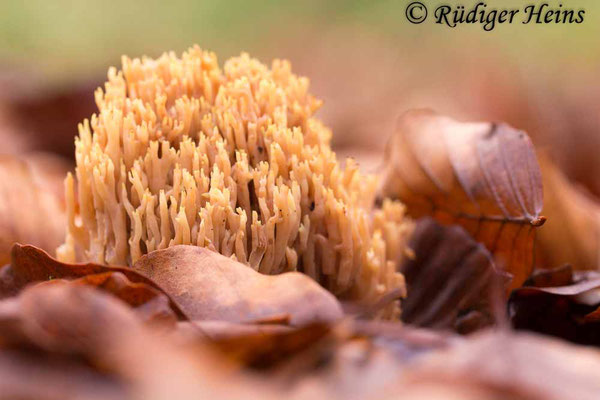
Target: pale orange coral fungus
[(182, 152)]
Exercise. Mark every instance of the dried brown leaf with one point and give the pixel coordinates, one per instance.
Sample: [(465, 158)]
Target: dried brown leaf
[(53, 342), (357, 359), (106, 351), (504, 365), (151, 305), (482, 176), (572, 234), (209, 286), (452, 281), (559, 303), (560, 276), (41, 325), (93, 346), (217, 330), (265, 349), (30, 264)]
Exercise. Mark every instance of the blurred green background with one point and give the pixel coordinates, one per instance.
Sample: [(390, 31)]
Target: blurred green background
[(364, 59), (67, 39)]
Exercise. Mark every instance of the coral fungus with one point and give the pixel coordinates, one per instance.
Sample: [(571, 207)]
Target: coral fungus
[(182, 152)]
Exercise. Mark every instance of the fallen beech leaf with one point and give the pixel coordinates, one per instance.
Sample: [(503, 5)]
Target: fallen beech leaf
[(353, 359), (218, 330), (570, 311), (209, 286), (262, 346), (504, 365), (452, 281), (94, 347), (30, 264), (54, 341), (573, 233), (30, 210), (40, 325), (264, 349), (560, 276), (37, 377), (407, 341), (150, 304), (357, 359), (450, 388), (482, 176)]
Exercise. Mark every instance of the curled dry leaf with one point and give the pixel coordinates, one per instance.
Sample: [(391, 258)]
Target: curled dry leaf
[(503, 365), (266, 349), (51, 348), (31, 210), (350, 360), (41, 326), (150, 304), (356, 359), (560, 303), (572, 234), (67, 341), (452, 281), (218, 330), (30, 264), (297, 351), (405, 341), (482, 176), (560, 276), (209, 286)]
